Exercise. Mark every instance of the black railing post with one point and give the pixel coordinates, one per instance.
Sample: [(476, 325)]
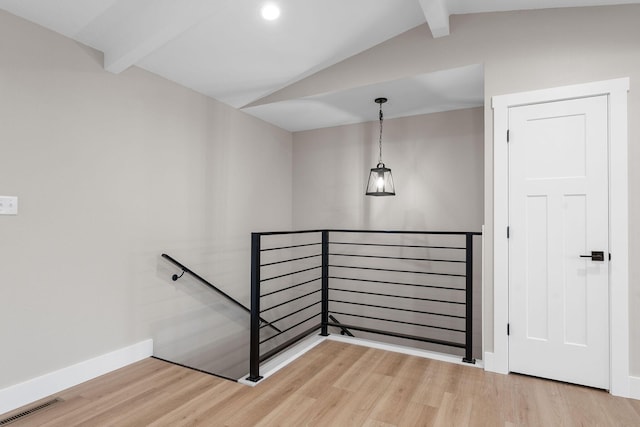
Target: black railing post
[(468, 342), (325, 284), (254, 350)]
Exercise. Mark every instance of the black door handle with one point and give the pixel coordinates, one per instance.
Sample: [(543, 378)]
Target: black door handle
[(595, 256)]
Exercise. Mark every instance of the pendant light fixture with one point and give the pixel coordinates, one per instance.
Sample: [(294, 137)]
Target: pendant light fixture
[(380, 180)]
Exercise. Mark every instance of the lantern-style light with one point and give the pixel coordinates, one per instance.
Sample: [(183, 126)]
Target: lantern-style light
[(380, 179)]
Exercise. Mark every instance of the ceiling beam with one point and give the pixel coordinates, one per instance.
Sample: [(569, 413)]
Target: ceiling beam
[(146, 25), (437, 15)]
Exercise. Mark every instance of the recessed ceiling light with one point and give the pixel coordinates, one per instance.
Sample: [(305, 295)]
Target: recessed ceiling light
[(270, 11)]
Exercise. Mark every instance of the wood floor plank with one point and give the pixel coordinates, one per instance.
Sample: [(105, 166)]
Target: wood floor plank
[(293, 411), (144, 414), (330, 373), (455, 410), (376, 423), (581, 402), (395, 400), (418, 415), (328, 406), (140, 405), (434, 383), (623, 412), (490, 404), (389, 364), (334, 384), (193, 410), (525, 410), (353, 377), (112, 394), (76, 398), (307, 379), (360, 404)]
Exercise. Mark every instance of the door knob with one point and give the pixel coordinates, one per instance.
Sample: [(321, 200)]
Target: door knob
[(595, 256)]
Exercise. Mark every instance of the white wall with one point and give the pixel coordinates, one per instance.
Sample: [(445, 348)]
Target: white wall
[(520, 51), (111, 171)]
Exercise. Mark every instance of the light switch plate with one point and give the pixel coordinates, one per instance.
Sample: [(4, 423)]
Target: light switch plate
[(8, 205)]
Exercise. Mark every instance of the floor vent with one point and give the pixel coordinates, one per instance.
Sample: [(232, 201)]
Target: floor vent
[(16, 417)]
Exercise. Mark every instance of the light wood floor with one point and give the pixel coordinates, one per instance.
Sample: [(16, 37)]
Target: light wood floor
[(335, 384)]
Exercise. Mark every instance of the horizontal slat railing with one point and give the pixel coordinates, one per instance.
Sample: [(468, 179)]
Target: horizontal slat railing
[(286, 277), (411, 285)]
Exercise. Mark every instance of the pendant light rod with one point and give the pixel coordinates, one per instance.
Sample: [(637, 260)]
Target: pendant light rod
[(380, 101)]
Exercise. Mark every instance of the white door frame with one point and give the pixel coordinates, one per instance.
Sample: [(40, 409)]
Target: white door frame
[(498, 360)]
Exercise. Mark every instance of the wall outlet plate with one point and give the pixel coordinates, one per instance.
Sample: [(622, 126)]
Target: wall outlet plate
[(8, 205)]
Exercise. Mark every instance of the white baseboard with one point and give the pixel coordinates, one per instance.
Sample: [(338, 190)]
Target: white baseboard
[(21, 394), (634, 387), (493, 363), (274, 365), (489, 364), (411, 351)]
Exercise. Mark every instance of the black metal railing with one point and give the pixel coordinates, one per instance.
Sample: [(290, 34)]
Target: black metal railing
[(409, 285)]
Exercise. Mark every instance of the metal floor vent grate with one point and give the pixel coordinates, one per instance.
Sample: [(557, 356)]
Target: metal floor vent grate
[(16, 417)]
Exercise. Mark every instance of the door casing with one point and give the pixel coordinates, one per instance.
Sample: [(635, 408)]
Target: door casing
[(616, 90)]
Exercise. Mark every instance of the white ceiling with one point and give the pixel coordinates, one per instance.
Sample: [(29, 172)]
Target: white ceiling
[(427, 93), (224, 49)]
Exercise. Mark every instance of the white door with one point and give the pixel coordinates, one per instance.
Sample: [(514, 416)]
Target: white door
[(558, 213)]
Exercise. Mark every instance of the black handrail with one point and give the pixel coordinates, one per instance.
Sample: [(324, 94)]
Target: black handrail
[(338, 230), (205, 282)]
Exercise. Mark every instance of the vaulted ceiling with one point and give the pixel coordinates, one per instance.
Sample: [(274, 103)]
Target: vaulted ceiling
[(226, 50)]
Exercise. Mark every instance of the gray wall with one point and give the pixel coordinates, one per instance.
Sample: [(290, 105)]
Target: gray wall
[(437, 166), (520, 51), (111, 171), (436, 161)]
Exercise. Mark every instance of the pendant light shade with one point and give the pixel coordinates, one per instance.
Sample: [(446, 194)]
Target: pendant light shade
[(380, 182), (380, 179)]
